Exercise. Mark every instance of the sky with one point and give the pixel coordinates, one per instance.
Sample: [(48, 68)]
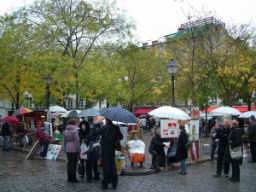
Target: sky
[(157, 18)]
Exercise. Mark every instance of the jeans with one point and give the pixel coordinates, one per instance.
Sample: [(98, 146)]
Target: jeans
[(183, 166), (6, 143)]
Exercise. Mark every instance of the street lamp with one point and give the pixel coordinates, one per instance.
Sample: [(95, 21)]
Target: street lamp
[(28, 96), (48, 82), (172, 68)]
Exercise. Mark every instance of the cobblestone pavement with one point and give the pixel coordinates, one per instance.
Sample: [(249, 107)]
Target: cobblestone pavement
[(19, 175)]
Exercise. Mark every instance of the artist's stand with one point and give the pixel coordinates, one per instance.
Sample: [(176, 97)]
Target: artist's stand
[(33, 150)]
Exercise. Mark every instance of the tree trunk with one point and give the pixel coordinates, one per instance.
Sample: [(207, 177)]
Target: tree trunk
[(130, 106), (77, 90), (249, 102), (17, 102)]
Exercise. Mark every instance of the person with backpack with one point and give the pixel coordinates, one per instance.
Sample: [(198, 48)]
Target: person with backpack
[(182, 150)]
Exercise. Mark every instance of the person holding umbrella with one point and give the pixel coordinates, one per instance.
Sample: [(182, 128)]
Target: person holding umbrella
[(110, 141)]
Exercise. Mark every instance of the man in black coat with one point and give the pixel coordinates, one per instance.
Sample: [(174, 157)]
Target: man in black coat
[(156, 149), (235, 141), (110, 141), (6, 133), (222, 138), (182, 151), (252, 138)]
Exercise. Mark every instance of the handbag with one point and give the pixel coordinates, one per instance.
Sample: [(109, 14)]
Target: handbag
[(236, 153), (84, 149)]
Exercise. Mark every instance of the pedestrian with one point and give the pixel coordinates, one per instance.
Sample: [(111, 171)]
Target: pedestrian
[(156, 149), (214, 142), (110, 141), (6, 133), (236, 142), (223, 152), (72, 148), (182, 151), (84, 131), (44, 140), (252, 138)]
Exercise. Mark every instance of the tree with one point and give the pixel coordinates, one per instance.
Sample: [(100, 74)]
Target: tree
[(76, 27)]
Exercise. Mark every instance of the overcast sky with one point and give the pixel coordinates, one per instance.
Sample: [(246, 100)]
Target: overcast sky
[(156, 18)]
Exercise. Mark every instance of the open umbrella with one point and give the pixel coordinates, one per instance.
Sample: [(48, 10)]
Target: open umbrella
[(73, 114), (170, 113), (11, 119), (118, 114), (57, 109), (92, 112), (22, 111), (247, 114), (223, 111)]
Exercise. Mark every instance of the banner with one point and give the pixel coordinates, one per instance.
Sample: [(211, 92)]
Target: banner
[(194, 129), (53, 152), (169, 128)]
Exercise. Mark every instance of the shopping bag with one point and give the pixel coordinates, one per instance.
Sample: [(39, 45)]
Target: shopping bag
[(236, 153), (83, 153)]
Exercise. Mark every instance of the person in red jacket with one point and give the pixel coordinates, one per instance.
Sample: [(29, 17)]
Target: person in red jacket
[(44, 140)]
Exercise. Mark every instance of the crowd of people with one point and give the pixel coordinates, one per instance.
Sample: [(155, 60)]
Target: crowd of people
[(108, 136), (228, 141)]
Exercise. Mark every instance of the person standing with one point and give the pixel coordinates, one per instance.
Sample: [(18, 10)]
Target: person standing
[(156, 149), (110, 141), (223, 151), (6, 133), (72, 148), (214, 142), (235, 141), (84, 132), (182, 152), (252, 138)]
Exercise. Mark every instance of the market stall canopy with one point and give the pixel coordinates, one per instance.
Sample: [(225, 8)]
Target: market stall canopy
[(170, 113), (118, 114), (10, 119), (248, 114), (22, 111), (57, 109), (223, 111), (92, 112)]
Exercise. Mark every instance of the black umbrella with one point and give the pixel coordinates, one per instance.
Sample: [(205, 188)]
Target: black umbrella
[(118, 114), (73, 114)]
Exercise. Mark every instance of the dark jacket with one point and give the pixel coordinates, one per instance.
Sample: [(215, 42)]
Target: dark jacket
[(252, 132), (83, 136), (6, 129), (110, 136), (222, 134), (235, 140), (182, 152), (156, 145), (235, 137)]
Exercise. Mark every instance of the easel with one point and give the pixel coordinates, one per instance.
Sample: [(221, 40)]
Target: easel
[(33, 150)]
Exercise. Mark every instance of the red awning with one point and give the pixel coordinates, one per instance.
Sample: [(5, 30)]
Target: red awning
[(140, 111), (243, 109), (210, 108)]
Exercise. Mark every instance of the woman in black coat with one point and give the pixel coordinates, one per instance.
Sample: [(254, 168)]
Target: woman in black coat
[(235, 141), (182, 152)]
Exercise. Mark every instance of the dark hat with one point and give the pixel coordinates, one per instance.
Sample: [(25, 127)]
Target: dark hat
[(252, 117)]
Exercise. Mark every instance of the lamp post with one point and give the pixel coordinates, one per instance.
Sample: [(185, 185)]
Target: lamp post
[(48, 82), (28, 96), (172, 68)]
